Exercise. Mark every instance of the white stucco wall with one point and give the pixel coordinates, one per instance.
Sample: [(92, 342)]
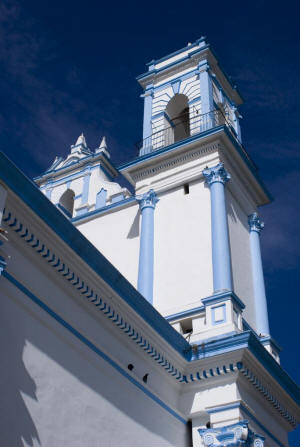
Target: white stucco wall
[(55, 390), (116, 235), (182, 249), (240, 255)]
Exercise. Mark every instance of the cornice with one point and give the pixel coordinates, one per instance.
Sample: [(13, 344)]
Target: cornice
[(219, 368), (81, 163)]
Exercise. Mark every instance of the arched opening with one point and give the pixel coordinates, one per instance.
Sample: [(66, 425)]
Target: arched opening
[(66, 202), (177, 121)]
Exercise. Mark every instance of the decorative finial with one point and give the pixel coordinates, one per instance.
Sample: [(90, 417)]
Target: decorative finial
[(103, 144), (103, 147), (81, 141)]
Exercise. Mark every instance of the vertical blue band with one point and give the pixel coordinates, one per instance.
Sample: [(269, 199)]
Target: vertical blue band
[(147, 125), (85, 189), (146, 259), (260, 300), (207, 102), (216, 178)]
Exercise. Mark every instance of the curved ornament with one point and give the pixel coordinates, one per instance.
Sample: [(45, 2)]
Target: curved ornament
[(255, 224), (216, 174), (149, 199)]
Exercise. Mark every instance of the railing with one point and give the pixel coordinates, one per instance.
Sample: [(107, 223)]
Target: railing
[(182, 127)]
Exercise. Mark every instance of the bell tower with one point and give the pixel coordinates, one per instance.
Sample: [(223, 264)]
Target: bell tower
[(200, 249), (82, 182)]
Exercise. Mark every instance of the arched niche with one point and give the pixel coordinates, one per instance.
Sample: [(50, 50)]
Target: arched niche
[(177, 121), (66, 202)]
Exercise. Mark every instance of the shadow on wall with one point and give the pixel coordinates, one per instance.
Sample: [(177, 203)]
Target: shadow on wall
[(22, 322), (135, 227), (16, 423)]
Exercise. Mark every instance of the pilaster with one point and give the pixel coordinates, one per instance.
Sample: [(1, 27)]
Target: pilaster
[(216, 178), (260, 300), (147, 203)]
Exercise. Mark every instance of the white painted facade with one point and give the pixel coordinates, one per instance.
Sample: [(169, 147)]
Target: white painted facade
[(91, 362)]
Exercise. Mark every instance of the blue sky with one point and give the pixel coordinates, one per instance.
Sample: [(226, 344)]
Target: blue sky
[(68, 67)]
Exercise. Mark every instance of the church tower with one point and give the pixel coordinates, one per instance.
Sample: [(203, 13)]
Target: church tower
[(188, 238), (207, 272)]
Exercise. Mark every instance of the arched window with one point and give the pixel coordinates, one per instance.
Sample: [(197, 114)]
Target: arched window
[(177, 121), (66, 202)]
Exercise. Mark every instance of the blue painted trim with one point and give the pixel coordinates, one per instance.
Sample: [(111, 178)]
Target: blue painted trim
[(169, 119), (248, 161), (90, 345), (182, 78), (30, 194), (84, 160), (48, 193), (69, 178), (269, 339), (146, 256), (162, 59), (101, 199), (263, 340), (223, 408), (228, 79), (213, 315), (209, 300), (106, 208), (248, 340), (63, 209), (215, 178), (256, 421), (172, 64), (2, 263), (88, 293), (258, 282), (171, 148), (185, 313), (219, 297), (117, 198), (194, 100), (200, 136), (147, 124), (86, 187), (176, 86), (105, 171)]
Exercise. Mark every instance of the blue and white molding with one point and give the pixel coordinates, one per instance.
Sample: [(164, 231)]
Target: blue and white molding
[(235, 435), (216, 178), (260, 300), (147, 203)]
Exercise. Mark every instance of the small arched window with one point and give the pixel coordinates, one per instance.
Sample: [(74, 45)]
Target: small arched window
[(177, 123), (66, 202)]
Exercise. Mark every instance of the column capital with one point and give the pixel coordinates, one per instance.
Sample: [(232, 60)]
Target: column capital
[(239, 434), (255, 224), (216, 174), (147, 200)]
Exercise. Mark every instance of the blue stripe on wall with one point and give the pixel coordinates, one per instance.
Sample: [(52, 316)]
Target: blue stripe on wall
[(90, 345)]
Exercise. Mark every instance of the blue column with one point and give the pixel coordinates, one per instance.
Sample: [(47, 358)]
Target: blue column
[(206, 91), (260, 300), (145, 279), (147, 124), (216, 178)]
